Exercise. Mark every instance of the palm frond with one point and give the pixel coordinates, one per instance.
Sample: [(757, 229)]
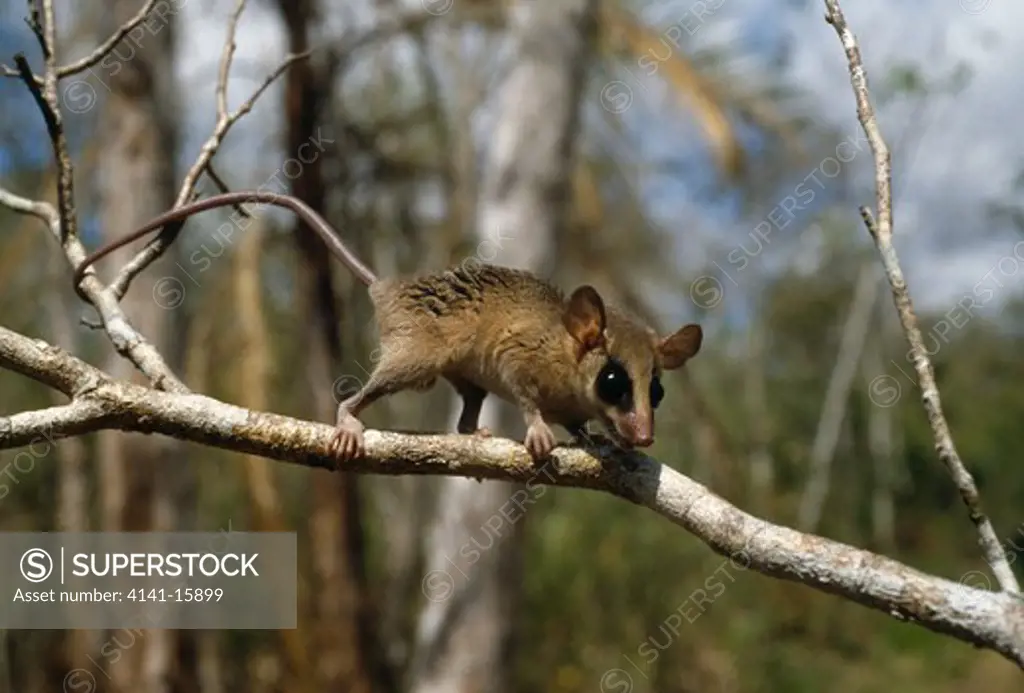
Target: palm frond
[(618, 28)]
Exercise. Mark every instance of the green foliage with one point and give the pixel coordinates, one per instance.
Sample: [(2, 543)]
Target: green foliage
[(605, 577), (608, 585)]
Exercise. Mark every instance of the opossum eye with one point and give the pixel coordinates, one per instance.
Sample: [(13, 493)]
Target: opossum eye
[(613, 384), (657, 392)]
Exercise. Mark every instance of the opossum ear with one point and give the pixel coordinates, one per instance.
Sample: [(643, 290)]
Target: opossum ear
[(584, 318), (680, 347)]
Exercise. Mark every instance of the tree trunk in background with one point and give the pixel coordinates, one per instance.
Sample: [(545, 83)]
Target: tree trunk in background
[(881, 444), (833, 409), (252, 373), (405, 505), (339, 623), (72, 480), (208, 312), (140, 486), (465, 630)]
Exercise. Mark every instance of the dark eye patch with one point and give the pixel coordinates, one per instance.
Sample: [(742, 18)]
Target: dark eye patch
[(657, 392), (614, 386)]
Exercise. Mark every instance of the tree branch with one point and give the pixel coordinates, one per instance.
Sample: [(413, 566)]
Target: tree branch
[(63, 221), (104, 48), (225, 121), (96, 55), (410, 21), (126, 339), (882, 234), (987, 619), (992, 620)]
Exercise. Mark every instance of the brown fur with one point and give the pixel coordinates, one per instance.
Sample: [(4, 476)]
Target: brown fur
[(484, 329), (489, 329)]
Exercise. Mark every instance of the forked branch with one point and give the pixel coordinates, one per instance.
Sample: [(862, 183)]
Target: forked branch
[(881, 232), (993, 620)]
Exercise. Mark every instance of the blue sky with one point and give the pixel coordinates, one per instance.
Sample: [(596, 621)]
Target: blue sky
[(966, 150), (959, 152)]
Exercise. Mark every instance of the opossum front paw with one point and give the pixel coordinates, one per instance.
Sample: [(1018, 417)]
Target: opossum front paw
[(540, 439)]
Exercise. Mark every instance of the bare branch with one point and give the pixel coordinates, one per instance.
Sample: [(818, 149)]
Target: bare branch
[(63, 222), (881, 231), (225, 62), (222, 186), (23, 205), (225, 120), (46, 99), (96, 55), (40, 21), (125, 338), (992, 620), (411, 21), (285, 64), (26, 428), (104, 48), (159, 245)]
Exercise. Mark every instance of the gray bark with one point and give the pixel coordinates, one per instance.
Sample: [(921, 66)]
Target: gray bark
[(138, 138), (994, 620), (462, 639), (879, 224), (833, 409)]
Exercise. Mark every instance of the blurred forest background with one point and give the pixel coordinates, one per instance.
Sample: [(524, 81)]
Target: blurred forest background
[(710, 183)]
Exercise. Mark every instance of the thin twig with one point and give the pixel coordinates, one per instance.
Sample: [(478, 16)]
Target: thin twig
[(285, 64), (223, 187), (881, 232), (62, 222), (187, 192), (49, 105), (412, 21), (23, 205), (104, 48), (159, 245), (211, 172), (869, 220), (36, 11), (97, 54), (35, 88), (46, 99), (125, 338), (993, 620), (9, 71), (225, 62)]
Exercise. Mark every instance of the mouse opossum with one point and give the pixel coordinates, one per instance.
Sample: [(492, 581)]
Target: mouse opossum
[(491, 329)]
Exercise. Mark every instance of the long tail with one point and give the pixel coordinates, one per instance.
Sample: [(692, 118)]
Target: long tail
[(327, 233)]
